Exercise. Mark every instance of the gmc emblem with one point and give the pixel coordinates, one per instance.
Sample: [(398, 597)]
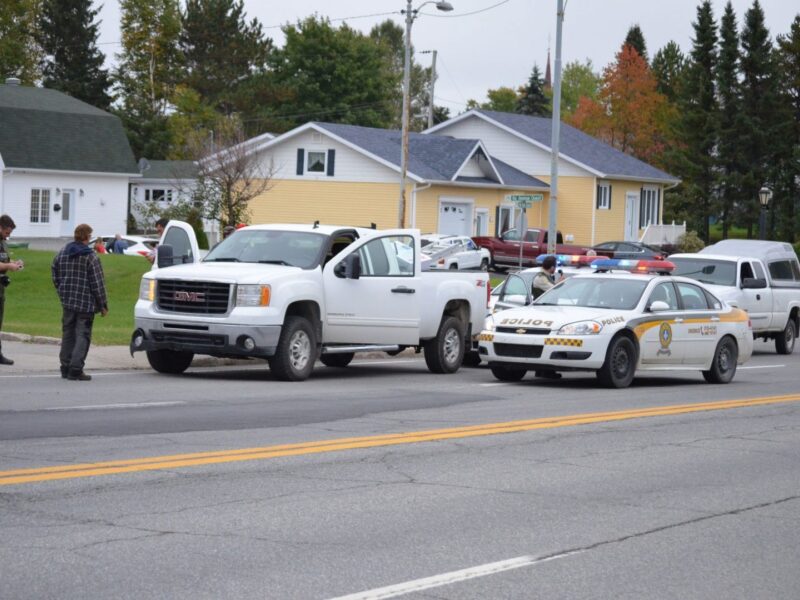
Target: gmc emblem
[(182, 296)]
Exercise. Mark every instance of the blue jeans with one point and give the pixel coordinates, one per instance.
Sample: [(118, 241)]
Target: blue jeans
[(76, 335)]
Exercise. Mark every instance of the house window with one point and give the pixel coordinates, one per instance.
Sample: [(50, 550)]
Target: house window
[(158, 195), (604, 196), (40, 206), (648, 207), (316, 162)]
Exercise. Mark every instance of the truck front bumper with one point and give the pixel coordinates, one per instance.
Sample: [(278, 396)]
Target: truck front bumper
[(202, 337)]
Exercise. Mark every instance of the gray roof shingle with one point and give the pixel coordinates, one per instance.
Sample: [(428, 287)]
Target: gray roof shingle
[(169, 169), (431, 157), (581, 147), (46, 129)]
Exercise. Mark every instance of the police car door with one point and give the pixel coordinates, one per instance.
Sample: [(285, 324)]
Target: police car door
[(701, 324), (662, 328)]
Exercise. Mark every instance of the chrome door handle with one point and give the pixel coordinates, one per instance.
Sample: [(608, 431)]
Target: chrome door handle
[(679, 320), (403, 290), (714, 319)]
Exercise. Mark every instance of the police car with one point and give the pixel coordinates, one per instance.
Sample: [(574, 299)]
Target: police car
[(625, 316)]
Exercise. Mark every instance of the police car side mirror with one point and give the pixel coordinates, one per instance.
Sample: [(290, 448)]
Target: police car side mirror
[(659, 306)]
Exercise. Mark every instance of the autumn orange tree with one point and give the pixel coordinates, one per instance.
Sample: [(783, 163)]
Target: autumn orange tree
[(629, 112)]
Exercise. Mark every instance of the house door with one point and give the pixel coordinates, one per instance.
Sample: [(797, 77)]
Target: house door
[(505, 220), (631, 218), (455, 218), (67, 213), (481, 222)]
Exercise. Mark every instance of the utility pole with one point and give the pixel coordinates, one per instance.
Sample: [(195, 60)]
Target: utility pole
[(556, 132), (430, 87)]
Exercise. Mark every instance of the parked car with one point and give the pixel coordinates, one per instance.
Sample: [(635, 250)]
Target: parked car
[(505, 250), (452, 252), (760, 277), (629, 250), (293, 293), (136, 245)]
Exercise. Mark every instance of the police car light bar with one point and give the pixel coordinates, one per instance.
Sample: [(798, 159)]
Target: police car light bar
[(567, 260), (634, 266)]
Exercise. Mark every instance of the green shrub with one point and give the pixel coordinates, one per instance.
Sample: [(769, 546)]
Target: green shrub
[(690, 242)]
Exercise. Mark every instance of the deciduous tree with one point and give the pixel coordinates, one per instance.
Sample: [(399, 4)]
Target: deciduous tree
[(578, 80), (20, 53), (503, 99)]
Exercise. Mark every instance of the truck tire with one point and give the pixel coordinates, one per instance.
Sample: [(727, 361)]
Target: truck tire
[(453, 267), (485, 264), (723, 367), (296, 352), (337, 360), (444, 353), (173, 362), (784, 342), (620, 364), (508, 373)]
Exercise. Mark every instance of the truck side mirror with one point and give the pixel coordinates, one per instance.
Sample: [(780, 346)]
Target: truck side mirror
[(749, 283), (165, 256), (352, 266)]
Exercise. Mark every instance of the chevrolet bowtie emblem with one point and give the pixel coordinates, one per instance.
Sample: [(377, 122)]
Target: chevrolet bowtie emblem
[(521, 330)]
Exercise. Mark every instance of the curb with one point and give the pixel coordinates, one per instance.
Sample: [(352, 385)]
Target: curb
[(29, 339)]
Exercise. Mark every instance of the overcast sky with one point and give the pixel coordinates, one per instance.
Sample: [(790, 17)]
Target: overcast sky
[(498, 44)]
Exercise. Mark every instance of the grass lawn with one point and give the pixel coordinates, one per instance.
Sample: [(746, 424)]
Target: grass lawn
[(32, 305), (715, 232)]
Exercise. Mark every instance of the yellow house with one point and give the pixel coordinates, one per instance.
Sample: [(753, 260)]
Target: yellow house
[(603, 194), (346, 174)]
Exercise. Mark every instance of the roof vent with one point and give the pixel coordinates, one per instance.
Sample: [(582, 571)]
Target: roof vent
[(13, 81)]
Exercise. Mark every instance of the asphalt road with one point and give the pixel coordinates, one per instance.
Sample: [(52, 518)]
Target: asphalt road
[(325, 488)]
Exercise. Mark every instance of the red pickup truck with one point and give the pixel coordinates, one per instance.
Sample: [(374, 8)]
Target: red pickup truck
[(505, 249)]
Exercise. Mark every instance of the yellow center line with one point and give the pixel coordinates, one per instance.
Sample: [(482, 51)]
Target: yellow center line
[(154, 463)]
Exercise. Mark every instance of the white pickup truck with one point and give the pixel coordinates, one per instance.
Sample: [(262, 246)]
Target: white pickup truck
[(293, 293), (760, 277)]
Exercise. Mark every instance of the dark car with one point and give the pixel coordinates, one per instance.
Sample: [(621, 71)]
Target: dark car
[(634, 250)]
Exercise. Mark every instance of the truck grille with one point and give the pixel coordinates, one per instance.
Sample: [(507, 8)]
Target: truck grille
[(518, 350), (193, 297)]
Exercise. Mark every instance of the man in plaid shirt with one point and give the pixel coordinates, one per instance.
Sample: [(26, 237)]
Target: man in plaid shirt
[(78, 277)]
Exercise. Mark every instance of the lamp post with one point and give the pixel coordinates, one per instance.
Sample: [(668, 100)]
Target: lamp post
[(410, 14), (764, 196)]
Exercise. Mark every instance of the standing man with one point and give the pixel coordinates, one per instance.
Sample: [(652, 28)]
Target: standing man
[(160, 226), (78, 277), (7, 265)]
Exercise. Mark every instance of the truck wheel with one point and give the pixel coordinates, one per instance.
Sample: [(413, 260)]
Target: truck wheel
[(784, 343), (508, 373), (444, 353), (453, 267), (337, 360), (296, 352), (471, 359), (620, 364), (485, 264), (173, 362), (723, 368)]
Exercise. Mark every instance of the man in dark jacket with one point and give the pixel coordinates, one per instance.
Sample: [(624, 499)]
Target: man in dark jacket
[(78, 277)]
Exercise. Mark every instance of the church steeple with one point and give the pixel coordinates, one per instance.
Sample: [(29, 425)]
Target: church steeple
[(547, 80)]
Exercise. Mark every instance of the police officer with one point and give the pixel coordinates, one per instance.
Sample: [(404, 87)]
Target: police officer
[(546, 278), (7, 265)]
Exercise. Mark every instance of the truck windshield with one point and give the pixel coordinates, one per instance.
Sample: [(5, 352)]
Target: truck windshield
[(595, 292), (704, 270), (292, 248)]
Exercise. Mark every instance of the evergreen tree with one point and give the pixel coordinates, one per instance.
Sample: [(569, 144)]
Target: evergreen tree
[(759, 124), (148, 68), (73, 64), (635, 39), (221, 52), (694, 161), (668, 67), (19, 52), (729, 156), (789, 175), (532, 99)]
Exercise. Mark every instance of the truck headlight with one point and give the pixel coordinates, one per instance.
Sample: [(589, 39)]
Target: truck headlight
[(147, 289), (252, 295), (581, 328), (488, 323)]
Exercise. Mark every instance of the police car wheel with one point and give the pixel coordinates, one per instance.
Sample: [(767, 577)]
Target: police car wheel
[(620, 364), (723, 368), (508, 373)]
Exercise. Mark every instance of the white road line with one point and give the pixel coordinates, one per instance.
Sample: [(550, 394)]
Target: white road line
[(115, 406), (367, 362), (452, 577), (763, 367), (492, 384)]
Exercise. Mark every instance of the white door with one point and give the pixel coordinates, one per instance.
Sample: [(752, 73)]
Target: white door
[(455, 218), (631, 217), (505, 219), (180, 237), (660, 340), (67, 213), (382, 306), (481, 222)]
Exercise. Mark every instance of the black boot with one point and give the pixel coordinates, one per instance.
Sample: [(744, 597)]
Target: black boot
[(5, 361), (64, 372), (74, 375)]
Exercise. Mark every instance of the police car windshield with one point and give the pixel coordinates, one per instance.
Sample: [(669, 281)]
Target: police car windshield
[(704, 270), (292, 248), (596, 292)]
